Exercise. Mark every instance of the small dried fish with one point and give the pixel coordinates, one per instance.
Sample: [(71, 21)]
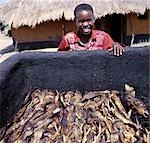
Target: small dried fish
[(101, 117), (91, 95), (128, 88), (138, 105), (70, 117), (85, 133), (97, 138), (118, 103), (122, 118)]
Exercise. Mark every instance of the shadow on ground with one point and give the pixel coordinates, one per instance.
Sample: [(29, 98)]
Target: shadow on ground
[(8, 49)]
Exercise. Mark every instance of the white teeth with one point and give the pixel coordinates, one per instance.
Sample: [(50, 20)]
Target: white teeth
[(86, 30)]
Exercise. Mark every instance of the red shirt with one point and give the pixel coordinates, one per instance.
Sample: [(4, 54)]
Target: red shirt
[(100, 40)]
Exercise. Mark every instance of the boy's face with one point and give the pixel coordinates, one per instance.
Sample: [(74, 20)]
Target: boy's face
[(84, 21)]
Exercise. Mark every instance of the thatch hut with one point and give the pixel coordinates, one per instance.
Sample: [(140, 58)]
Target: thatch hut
[(42, 23)]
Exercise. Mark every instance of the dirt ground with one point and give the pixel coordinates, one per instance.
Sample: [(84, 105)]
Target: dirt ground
[(6, 43)]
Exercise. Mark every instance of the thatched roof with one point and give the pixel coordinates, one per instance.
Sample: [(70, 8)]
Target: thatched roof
[(32, 12)]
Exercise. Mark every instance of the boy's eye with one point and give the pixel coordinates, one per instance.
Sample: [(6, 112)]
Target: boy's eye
[(88, 20)]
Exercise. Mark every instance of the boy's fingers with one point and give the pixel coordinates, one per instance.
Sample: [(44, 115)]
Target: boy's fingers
[(115, 51), (121, 51), (118, 51)]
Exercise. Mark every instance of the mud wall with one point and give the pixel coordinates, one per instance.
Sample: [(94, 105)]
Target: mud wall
[(135, 25), (51, 30)]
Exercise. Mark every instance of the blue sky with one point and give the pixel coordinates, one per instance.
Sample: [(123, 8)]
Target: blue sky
[(2, 1)]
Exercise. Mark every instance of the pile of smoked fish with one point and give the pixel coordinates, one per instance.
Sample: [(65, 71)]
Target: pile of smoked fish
[(73, 117)]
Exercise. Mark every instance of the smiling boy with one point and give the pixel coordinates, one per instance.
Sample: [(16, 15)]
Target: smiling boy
[(86, 37)]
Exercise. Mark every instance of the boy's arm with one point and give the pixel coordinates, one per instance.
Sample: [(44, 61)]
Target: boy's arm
[(110, 45), (64, 45), (108, 42)]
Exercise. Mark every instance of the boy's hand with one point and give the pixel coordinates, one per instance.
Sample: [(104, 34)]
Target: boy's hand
[(117, 49)]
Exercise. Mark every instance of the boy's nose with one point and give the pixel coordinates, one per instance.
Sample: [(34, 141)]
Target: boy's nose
[(85, 23)]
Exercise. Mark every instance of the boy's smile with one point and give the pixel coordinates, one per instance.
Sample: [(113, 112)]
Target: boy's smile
[(84, 21)]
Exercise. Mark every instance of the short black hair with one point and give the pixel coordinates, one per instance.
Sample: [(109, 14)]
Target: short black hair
[(81, 7)]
